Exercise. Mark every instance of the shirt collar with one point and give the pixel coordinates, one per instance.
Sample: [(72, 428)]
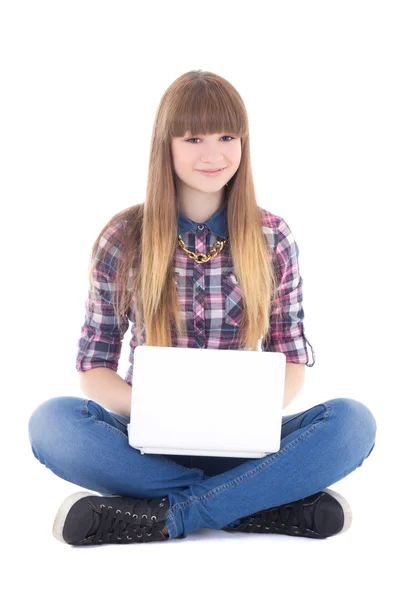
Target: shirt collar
[(217, 223)]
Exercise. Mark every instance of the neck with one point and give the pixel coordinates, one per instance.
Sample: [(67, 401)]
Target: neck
[(199, 206)]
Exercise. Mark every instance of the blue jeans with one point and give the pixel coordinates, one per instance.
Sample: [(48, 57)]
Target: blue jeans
[(84, 443)]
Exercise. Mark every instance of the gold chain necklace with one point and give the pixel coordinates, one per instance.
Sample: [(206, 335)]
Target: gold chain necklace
[(200, 258)]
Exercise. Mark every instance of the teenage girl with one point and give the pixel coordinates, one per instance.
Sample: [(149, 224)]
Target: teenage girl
[(199, 264)]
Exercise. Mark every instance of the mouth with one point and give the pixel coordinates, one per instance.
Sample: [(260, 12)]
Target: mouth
[(212, 170)]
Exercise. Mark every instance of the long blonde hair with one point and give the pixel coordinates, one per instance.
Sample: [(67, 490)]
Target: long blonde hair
[(203, 103)]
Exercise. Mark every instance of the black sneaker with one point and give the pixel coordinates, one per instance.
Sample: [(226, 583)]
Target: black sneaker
[(84, 519), (321, 515)]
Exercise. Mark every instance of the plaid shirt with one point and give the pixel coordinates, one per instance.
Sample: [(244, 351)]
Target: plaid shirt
[(209, 295)]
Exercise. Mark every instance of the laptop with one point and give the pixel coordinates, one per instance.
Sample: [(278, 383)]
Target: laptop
[(206, 402)]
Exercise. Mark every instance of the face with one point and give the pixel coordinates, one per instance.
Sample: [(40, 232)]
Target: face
[(191, 155)]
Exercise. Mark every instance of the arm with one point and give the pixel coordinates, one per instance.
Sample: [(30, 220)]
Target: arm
[(107, 388), (286, 332), (294, 381), (100, 342)]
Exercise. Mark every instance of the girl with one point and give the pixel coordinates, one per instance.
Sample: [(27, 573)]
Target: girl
[(212, 270)]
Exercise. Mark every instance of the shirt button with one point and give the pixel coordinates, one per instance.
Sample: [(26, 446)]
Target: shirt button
[(200, 227)]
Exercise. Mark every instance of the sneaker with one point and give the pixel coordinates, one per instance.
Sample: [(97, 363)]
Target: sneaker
[(84, 519), (320, 515)]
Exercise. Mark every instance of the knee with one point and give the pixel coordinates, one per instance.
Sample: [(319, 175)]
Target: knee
[(357, 420), (46, 422)]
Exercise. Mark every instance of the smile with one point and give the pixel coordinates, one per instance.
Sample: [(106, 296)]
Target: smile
[(212, 173)]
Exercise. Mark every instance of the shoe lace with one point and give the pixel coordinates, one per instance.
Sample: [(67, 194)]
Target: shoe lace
[(114, 526), (281, 518)]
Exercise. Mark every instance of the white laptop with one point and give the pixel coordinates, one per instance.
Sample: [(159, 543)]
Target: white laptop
[(206, 402)]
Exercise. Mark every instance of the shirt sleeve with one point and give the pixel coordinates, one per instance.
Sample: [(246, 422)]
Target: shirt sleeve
[(100, 340), (287, 328)]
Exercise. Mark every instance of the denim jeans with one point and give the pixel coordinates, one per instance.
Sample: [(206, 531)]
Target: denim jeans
[(84, 443)]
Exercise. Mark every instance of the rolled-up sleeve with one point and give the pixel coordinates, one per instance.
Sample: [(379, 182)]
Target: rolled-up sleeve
[(286, 332), (100, 340)]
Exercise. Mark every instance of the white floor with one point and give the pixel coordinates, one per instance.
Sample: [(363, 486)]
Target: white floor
[(208, 563)]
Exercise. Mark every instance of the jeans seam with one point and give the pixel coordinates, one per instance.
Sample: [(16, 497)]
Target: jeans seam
[(268, 460), (84, 407), (86, 414)]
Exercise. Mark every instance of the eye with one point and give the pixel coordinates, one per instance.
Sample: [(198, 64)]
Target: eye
[(196, 138)]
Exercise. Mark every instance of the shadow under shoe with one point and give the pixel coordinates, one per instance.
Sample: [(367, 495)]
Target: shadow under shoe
[(85, 519), (320, 515)]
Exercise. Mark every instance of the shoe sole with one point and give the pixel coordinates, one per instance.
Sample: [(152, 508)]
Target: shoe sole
[(63, 511), (348, 515)]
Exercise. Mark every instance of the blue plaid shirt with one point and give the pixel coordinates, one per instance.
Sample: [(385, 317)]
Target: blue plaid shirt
[(209, 295)]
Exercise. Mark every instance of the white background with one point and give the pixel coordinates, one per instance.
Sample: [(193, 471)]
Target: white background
[(81, 82)]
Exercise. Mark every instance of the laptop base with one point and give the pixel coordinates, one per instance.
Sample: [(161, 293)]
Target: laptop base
[(193, 452)]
